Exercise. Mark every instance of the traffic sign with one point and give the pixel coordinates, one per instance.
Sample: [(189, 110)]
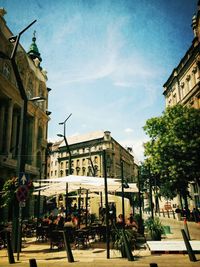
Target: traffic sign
[(22, 193), (23, 178)]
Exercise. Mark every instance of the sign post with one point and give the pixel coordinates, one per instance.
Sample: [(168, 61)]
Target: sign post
[(22, 195)]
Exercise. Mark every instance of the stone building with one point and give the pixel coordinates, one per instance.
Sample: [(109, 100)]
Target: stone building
[(86, 157), (34, 79), (183, 85)]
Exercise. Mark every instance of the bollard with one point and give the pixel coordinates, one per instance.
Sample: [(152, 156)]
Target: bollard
[(186, 228), (188, 246), (68, 248), (168, 214), (9, 249), (153, 265), (127, 247), (32, 262), (173, 214)]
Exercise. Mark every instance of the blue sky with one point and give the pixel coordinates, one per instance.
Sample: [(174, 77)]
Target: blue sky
[(107, 60)]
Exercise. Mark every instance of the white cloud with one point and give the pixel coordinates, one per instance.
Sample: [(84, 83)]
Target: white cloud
[(128, 130), (123, 84), (137, 145)]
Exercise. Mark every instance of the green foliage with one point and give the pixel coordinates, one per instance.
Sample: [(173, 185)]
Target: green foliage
[(119, 240), (10, 188), (173, 152), (154, 227)]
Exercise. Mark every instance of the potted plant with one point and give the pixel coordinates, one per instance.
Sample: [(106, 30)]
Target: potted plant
[(154, 228), (119, 242)]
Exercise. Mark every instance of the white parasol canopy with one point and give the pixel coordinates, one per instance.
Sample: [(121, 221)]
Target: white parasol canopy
[(55, 186)]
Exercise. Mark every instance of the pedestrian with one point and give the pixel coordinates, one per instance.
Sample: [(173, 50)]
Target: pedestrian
[(178, 213)]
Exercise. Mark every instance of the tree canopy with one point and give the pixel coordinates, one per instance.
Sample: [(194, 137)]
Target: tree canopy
[(173, 151)]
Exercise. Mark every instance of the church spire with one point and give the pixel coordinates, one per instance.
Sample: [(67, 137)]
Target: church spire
[(33, 50)]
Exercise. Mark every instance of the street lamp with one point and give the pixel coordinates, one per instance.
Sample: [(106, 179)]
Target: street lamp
[(70, 158), (66, 143), (106, 204), (22, 136), (141, 227), (122, 184), (37, 99)]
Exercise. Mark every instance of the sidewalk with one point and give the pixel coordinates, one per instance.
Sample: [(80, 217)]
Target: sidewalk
[(97, 257), (94, 258)]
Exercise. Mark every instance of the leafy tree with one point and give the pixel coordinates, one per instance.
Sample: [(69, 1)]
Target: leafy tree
[(173, 152)]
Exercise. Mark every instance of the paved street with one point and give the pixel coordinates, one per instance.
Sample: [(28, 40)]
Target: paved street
[(97, 256)]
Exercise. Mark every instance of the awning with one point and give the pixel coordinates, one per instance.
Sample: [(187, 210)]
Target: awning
[(57, 186)]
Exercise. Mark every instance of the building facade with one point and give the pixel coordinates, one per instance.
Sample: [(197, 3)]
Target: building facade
[(34, 79), (86, 157), (183, 86)]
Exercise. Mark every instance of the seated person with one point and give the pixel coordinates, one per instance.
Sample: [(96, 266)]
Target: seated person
[(69, 222), (119, 222), (131, 223)]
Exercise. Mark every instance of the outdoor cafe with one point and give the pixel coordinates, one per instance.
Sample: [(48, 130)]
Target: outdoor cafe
[(84, 218)]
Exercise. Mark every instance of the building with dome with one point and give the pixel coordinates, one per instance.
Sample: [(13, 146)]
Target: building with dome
[(13, 115)]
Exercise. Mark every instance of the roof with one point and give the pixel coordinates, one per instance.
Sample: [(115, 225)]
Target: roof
[(83, 138)]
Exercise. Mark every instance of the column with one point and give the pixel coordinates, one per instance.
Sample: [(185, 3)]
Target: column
[(35, 139), (14, 136), (9, 126), (2, 123)]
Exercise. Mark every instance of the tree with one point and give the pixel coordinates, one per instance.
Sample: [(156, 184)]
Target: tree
[(173, 151)]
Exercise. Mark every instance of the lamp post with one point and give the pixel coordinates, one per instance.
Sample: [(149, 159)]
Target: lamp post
[(22, 139), (66, 143), (122, 184), (141, 227), (150, 192), (70, 158), (106, 204)]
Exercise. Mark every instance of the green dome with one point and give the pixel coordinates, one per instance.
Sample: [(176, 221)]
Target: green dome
[(33, 50)]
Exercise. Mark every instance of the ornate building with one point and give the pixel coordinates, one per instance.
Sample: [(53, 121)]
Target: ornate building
[(34, 79), (183, 85), (86, 157)]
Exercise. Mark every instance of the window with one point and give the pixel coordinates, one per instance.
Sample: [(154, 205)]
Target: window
[(30, 89), (6, 71), (55, 173), (174, 99), (195, 188)]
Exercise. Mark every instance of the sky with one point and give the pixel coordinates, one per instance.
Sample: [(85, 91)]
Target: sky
[(106, 60)]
